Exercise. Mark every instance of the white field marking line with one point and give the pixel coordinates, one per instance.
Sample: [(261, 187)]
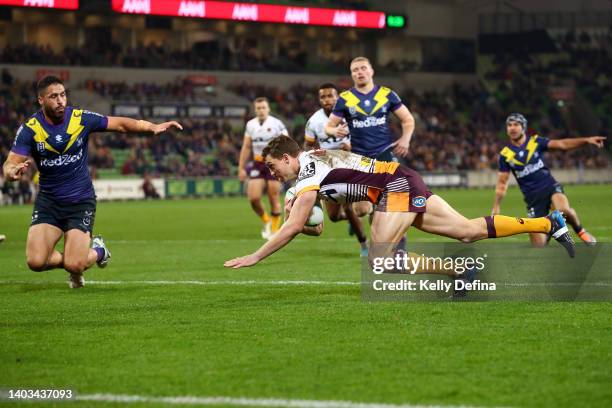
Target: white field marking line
[(250, 402), (285, 283), (194, 282)]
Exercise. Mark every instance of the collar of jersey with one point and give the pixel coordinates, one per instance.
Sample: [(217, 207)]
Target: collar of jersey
[(51, 128), (358, 93)]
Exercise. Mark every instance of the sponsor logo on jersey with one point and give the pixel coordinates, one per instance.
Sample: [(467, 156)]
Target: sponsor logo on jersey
[(58, 138), (40, 146), (307, 171), (370, 121), (62, 160), (419, 201), (530, 169)]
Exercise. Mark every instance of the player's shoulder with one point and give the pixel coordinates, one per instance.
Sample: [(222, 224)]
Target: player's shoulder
[(317, 116), (274, 119), (346, 94), (506, 151)]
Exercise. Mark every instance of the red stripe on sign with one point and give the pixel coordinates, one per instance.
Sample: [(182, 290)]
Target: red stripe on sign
[(268, 13)]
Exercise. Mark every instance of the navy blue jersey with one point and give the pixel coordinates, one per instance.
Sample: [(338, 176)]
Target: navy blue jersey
[(525, 162), (60, 152), (367, 116)]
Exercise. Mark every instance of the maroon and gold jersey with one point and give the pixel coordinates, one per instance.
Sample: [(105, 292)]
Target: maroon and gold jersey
[(344, 177)]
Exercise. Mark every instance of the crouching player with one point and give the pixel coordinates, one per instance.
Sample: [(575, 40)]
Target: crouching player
[(56, 139), (401, 196)]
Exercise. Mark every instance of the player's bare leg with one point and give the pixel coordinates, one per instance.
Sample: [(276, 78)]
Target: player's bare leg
[(561, 203), (388, 228), (357, 227), (78, 255), (255, 190), (41, 254), (337, 212), (362, 208), (386, 231), (442, 219), (274, 188)]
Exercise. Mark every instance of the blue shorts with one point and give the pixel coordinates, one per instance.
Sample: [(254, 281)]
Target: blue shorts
[(540, 203), (65, 216)]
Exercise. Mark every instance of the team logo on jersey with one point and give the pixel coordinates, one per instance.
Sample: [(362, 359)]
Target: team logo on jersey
[(521, 153), (40, 146), (367, 102), (58, 138), (419, 201), (352, 110), (307, 171)]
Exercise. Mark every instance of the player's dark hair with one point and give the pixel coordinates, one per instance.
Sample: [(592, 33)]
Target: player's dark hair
[(261, 99), (44, 83), (328, 85), (281, 145)]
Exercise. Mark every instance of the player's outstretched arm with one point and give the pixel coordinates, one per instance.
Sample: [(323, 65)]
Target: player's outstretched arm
[(335, 127), (295, 223), (576, 142), (14, 166), (403, 144), (312, 230), (129, 125), (500, 190)]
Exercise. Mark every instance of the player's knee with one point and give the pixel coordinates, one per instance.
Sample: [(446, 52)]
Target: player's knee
[(75, 265), (335, 217), (469, 235), (36, 263)]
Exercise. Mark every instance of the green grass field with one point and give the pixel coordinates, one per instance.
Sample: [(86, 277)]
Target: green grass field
[(251, 334)]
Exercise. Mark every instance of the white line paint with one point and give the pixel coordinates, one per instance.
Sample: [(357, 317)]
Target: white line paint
[(249, 402), (280, 283), (193, 282)]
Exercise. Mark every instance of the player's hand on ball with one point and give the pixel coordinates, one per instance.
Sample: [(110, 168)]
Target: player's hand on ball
[(241, 262), (162, 127), (597, 140)]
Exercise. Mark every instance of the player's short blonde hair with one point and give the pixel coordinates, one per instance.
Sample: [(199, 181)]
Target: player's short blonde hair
[(359, 59)]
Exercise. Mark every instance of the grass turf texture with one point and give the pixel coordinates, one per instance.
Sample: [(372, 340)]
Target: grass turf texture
[(286, 341)]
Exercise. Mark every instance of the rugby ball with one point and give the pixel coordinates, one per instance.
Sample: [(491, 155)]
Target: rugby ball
[(316, 215)]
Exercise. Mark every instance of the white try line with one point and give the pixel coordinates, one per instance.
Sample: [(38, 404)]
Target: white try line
[(192, 282), (249, 402), (283, 283)]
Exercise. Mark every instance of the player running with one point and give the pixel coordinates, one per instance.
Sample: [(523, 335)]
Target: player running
[(315, 138), (366, 108), (401, 196), (259, 131), (56, 138), (523, 156)]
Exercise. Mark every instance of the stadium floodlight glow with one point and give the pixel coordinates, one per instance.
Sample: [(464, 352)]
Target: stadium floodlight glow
[(53, 4), (267, 13)]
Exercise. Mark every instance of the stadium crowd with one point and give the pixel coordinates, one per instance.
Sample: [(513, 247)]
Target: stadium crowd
[(457, 129)]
